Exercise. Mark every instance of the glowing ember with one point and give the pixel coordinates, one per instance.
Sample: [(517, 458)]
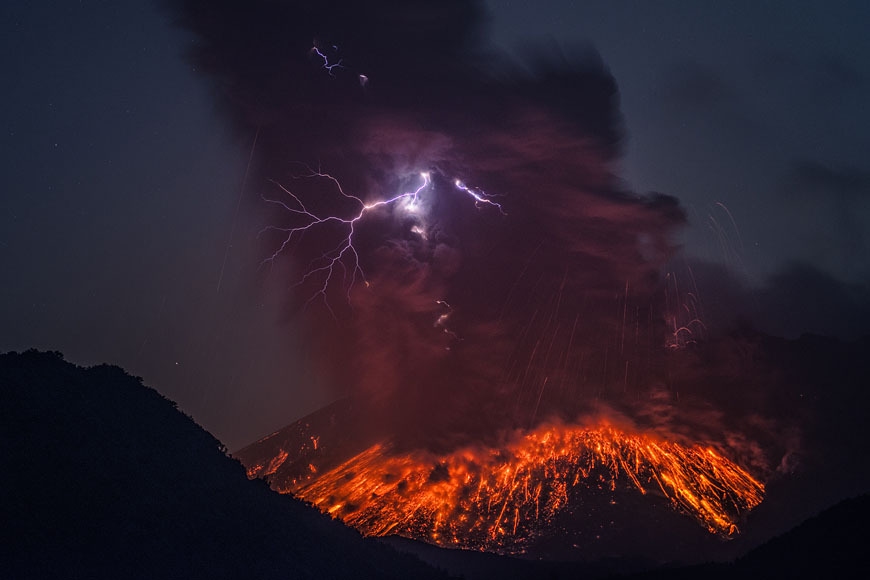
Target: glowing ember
[(492, 498)]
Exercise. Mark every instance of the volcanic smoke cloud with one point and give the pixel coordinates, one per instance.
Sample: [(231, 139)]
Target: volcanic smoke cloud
[(467, 320)]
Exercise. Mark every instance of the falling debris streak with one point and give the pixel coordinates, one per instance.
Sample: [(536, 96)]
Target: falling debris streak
[(494, 498), (238, 208), (683, 313)]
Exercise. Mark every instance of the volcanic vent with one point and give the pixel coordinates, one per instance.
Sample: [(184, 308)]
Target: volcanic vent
[(470, 274), (498, 499)]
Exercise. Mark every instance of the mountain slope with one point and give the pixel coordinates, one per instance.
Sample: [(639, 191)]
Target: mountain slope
[(831, 544), (101, 477), (597, 521), (828, 545)]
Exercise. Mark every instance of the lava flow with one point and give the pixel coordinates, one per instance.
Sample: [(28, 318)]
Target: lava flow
[(495, 498)]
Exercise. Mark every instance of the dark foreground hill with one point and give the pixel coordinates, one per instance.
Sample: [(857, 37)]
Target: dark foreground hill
[(102, 477), (829, 545)]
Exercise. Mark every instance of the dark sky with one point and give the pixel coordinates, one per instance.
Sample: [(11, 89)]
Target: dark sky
[(756, 105), (128, 232)]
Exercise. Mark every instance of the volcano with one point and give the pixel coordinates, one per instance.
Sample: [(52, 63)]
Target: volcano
[(586, 481)]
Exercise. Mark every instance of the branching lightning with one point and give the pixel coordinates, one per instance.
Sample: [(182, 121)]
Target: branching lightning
[(344, 256), (480, 198), (335, 258), (329, 66)]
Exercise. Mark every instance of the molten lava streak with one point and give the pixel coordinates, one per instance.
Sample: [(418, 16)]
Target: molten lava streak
[(488, 498)]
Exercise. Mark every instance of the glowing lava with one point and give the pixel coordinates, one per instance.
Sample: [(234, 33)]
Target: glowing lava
[(495, 498)]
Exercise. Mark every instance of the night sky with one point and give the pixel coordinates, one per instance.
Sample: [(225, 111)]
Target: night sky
[(130, 214)]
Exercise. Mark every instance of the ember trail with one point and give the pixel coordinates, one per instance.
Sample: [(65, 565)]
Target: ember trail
[(495, 499)]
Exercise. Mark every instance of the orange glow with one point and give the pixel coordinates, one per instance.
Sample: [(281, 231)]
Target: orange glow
[(485, 498)]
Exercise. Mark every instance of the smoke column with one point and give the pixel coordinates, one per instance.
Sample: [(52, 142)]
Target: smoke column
[(460, 248)]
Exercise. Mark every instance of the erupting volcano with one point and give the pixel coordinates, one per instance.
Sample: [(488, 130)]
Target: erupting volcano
[(500, 498), (468, 269), (492, 455)]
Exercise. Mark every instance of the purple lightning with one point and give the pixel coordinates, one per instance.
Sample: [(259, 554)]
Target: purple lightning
[(329, 66), (326, 64), (344, 255), (480, 198), (335, 258)]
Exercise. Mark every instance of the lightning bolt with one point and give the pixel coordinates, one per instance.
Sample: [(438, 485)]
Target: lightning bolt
[(326, 64), (343, 259), (479, 196), (330, 66), (332, 261)]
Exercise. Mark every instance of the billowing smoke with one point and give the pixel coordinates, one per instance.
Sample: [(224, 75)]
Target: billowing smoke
[(465, 318)]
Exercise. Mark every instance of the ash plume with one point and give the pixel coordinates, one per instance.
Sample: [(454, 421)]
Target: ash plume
[(470, 320)]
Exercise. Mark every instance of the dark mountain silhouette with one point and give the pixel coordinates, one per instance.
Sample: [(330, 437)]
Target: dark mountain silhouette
[(605, 530), (829, 545), (832, 544), (803, 401), (102, 477)]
